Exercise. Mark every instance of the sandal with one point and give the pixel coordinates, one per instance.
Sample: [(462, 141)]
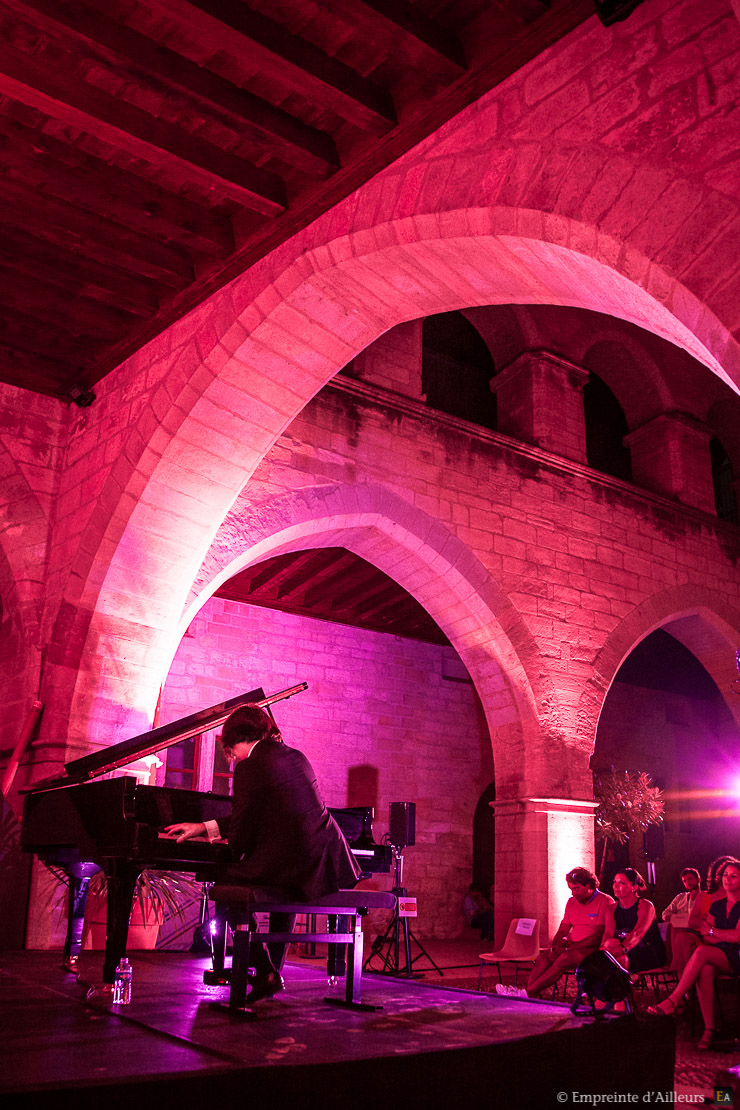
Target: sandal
[(705, 1041), (664, 1007)]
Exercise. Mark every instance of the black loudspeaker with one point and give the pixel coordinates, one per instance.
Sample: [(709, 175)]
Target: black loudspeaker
[(402, 824), (654, 841)]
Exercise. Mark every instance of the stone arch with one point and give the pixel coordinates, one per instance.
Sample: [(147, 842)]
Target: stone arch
[(444, 575), (689, 614), (722, 419), (250, 362), (21, 593), (631, 373)]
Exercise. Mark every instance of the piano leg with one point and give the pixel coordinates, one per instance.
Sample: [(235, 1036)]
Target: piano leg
[(336, 962), (80, 873), (121, 880), (217, 975)]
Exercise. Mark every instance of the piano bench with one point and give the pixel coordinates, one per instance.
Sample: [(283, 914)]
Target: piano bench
[(236, 905)]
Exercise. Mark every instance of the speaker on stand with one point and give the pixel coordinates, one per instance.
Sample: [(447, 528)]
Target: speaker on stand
[(387, 948)]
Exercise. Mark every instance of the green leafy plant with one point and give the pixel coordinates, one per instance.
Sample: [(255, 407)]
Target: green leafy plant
[(628, 802), (163, 893)]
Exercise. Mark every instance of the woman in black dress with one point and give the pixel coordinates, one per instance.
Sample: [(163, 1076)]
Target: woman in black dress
[(718, 954), (631, 933)]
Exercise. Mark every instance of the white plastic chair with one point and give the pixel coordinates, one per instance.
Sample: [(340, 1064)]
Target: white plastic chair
[(522, 946)]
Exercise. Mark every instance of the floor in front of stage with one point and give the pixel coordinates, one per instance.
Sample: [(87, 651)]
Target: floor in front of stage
[(429, 1043)]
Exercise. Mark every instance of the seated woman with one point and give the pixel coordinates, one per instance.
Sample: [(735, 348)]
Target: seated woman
[(631, 933), (718, 954), (684, 941)]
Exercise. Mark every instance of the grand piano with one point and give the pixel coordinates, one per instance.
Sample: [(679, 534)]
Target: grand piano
[(80, 825)]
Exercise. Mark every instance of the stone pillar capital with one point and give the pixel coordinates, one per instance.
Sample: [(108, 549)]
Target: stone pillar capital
[(511, 806), (670, 455), (541, 363), (540, 401)]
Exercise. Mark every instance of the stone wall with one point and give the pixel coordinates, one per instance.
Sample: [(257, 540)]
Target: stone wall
[(385, 719)]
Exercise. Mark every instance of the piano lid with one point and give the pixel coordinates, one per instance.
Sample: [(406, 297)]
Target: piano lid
[(156, 739)]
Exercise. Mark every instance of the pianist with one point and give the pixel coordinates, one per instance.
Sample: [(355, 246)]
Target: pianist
[(285, 843)]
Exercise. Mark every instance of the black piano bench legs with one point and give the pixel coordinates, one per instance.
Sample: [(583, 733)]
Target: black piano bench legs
[(344, 910)]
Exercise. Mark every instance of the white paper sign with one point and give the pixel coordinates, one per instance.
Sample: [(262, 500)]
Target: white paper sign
[(526, 925)]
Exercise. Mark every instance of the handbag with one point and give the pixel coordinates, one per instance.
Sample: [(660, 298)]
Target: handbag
[(601, 978)]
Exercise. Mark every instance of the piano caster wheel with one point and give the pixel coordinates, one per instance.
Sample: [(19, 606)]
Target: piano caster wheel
[(332, 980)]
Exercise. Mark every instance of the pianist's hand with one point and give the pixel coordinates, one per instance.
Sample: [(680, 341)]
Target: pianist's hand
[(185, 830)]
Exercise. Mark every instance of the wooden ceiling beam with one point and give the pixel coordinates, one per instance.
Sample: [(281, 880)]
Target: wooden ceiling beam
[(262, 577), (51, 305), (86, 236), (316, 568), (366, 608), (323, 583), (68, 99), (287, 575), (27, 333), (295, 63), (32, 371), (252, 118), (508, 55), (33, 259), (363, 585), (43, 162), (436, 44), (322, 590)]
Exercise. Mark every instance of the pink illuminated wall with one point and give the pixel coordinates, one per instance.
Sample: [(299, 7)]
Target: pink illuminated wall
[(379, 710), (600, 178)]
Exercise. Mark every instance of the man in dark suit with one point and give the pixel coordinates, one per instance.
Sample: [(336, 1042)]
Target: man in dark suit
[(285, 843)]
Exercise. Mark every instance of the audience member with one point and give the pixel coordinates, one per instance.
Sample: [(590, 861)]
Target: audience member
[(683, 937), (631, 932), (478, 911), (700, 908), (718, 954), (577, 935)]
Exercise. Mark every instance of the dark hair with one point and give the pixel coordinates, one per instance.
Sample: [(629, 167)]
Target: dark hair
[(635, 878), (714, 872), (691, 871), (583, 877), (247, 725)]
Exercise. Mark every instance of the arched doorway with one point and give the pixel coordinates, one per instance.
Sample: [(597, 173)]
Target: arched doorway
[(664, 714)]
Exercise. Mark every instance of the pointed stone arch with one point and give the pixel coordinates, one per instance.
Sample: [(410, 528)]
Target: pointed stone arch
[(441, 572), (689, 614), (237, 371), (21, 593)]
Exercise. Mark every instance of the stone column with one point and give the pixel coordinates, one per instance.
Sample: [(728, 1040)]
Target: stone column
[(538, 840), (540, 401), (670, 455)]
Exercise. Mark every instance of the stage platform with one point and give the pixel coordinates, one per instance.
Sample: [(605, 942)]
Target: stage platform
[(430, 1046)]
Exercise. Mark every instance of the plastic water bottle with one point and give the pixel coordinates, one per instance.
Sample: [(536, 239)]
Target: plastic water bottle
[(122, 983)]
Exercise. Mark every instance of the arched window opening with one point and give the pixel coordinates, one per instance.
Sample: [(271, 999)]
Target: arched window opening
[(725, 500), (606, 427), (456, 369), (665, 715)]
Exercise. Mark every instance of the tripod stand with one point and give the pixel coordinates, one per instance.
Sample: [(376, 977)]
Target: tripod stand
[(390, 941)]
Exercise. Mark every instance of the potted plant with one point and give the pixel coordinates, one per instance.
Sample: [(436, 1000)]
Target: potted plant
[(158, 895), (628, 802)]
